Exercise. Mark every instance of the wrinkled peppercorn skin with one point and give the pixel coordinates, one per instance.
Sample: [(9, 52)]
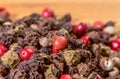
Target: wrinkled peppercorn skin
[(79, 60)]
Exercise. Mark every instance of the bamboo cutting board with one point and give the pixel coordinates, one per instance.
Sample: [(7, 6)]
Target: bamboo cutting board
[(83, 10)]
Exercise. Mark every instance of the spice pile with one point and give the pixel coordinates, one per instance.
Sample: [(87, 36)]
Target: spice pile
[(44, 47)]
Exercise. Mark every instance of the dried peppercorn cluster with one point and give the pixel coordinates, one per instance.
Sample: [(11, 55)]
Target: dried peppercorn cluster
[(44, 47)]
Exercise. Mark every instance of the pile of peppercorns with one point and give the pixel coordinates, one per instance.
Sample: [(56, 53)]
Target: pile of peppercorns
[(44, 47)]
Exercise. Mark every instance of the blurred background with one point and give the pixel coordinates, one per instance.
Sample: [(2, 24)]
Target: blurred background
[(84, 10)]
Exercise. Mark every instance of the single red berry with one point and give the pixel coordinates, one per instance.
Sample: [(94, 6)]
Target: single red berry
[(59, 42), (3, 49), (26, 53), (4, 12), (115, 44), (80, 29), (85, 39), (2, 9), (99, 24), (65, 76), (54, 50), (47, 13)]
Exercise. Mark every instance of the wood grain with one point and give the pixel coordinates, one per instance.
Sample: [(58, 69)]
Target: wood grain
[(59, 1)]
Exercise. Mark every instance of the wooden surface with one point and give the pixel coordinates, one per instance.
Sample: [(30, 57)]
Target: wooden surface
[(81, 10)]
